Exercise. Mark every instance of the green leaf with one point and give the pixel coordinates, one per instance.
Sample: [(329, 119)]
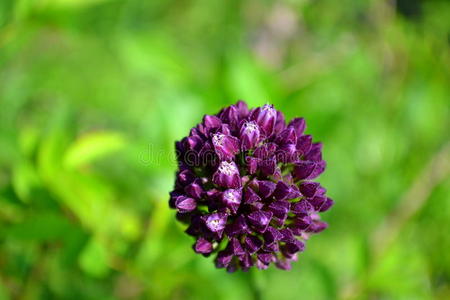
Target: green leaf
[(41, 227), (91, 147), (71, 3), (94, 259), (24, 179)]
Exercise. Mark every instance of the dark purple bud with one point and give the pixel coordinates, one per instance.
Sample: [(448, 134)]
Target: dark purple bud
[(268, 167), (287, 153), (266, 258), (230, 115), (252, 244), (287, 136), (235, 247), (300, 224), (250, 196), (309, 188), (232, 199), (265, 151), (282, 191), (266, 118), (304, 143), (280, 124), (326, 206), (223, 259), (291, 248), (246, 262), (215, 222), (205, 155), (271, 236), (266, 188), (225, 129), (260, 220), (185, 177), (256, 206), (196, 226), (318, 169), (225, 146), (295, 193), (199, 130), (213, 194), (321, 191), (302, 207), (250, 135), (286, 235), (242, 109), (317, 226), (227, 175), (195, 143), (299, 125), (203, 246), (238, 227), (279, 209), (271, 248), (315, 153), (194, 190), (317, 202), (212, 122), (303, 169), (185, 204)]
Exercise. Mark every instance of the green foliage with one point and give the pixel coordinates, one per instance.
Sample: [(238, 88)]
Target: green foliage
[(94, 93)]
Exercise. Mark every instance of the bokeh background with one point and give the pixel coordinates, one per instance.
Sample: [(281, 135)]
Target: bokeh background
[(93, 94)]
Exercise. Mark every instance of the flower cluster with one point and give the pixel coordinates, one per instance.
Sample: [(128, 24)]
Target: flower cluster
[(244, 187)]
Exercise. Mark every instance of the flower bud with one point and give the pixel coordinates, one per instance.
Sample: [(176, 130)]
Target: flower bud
[(185, 204), (260, 220), (232, 199), (299, 126), (250, 135), (227, 175), (266, 118), (216, 222), (203, 246), (225, 146)]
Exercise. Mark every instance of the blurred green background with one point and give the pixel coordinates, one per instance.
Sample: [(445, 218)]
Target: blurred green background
[(93, 94)]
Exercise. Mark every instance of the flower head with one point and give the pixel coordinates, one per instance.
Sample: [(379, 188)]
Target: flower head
[(246, 188)]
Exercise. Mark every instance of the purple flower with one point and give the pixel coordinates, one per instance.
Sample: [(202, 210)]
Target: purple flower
[(203, 246), (260, 220), (185, 204), (232, 199), (250, 135), (226, 146), (252, 244), (227, 175), (245, 187), (266, 118), (216, 222)]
